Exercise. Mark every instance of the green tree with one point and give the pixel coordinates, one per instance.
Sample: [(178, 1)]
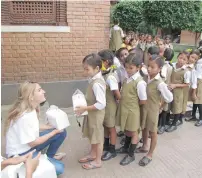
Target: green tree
[(172, 14), (129, 14)]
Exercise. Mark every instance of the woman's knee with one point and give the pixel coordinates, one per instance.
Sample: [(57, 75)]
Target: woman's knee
[(63, 134), (59, 167)]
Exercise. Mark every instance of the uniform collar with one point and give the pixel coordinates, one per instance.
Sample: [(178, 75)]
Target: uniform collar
[(96, 76), (135, 76)]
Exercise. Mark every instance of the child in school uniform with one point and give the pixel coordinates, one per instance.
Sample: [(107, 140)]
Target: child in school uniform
[(116, 35), (196, 76), (161, 46), (156, 90), (180, 79), (112, 95), (148, 44), (197, 93), (121, 54), (96, 101), (166, 74), (133, 95), (167, 42), (190, 67)]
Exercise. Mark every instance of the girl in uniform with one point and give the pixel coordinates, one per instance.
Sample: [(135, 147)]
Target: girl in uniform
[(96, 102), (133, 95), (156, 90), (180, 79), (112, 95), (166, 74)]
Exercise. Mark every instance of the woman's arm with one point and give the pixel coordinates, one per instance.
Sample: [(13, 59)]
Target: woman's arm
[(44, 138)]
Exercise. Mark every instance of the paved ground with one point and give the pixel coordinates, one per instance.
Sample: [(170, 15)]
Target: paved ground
[(178, 155)]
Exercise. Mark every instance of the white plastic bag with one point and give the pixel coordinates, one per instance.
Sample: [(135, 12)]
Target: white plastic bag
[(45, 169), (10, 171), (78, 99), (57, 118)]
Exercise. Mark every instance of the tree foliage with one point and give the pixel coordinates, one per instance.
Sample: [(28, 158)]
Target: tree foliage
[(172, 14), (129, 14)]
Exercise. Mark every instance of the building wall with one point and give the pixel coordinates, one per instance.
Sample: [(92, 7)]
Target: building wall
[(45, 57), (188, 37)]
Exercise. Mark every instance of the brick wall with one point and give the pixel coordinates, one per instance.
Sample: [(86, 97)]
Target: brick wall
[(57, 56), (188, 37)]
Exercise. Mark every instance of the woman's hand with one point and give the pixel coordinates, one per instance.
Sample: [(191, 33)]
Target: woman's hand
[(80, 110)]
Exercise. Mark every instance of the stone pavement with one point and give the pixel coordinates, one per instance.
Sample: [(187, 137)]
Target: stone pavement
[(178, 155)]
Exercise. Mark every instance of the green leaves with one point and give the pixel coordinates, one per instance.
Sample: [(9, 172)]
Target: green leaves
[(140, 15)]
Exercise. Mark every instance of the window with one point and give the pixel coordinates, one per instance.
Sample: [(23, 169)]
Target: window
[(34, 12)]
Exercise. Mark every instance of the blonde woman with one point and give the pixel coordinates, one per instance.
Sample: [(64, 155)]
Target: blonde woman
[(23, 131)]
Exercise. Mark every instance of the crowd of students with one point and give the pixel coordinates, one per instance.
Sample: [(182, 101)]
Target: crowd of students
[(138, 91)]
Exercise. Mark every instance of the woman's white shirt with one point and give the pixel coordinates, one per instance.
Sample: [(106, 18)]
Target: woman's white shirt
[(23, 131)]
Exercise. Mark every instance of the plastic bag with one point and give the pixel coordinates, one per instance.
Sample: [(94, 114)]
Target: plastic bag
[(45, 169), (57, 118), (78, 99)]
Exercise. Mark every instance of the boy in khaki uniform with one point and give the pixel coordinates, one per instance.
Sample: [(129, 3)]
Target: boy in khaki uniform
[(133, 95), (112, 94), (96, 102), (156, 89)]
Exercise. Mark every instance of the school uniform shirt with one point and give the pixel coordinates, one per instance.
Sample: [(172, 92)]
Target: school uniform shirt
[(187, 74), (122, 74), (116, 28), (99, 92), (197, 73), (169, 46), (141, 86), (112, 82), (116, 62), (21, 132), (163, 88)]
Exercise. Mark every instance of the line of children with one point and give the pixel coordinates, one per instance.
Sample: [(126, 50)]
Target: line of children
[(139, 103)]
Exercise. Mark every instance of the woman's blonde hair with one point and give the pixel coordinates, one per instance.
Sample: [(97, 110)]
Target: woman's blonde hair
[(22, 104)]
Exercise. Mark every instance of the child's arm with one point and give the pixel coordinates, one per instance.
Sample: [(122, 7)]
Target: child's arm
[(187, 78), (165, 92), (100, 95), (142, 92), (114, 86)]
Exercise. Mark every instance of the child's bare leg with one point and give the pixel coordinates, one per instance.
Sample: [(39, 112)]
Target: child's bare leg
[(153, 144), (93, 151), (112, 133), (145, 135), (99, 150)]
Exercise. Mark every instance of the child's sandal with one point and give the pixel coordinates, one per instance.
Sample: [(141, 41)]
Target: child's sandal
[(89, 166), (145, 161), (86, 159)]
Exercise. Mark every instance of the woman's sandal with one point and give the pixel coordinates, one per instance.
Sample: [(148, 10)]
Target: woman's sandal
[(59, 156), (140, 150), (89, 166), (86, 159), (145, 161)]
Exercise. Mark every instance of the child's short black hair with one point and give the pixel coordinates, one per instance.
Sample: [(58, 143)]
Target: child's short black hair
[(93, 60), (134, 59), (116, 22), (168, 54), (107, 55), (118, 52), (184, 52), (159, 61), (197, 52), (154, 50)]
